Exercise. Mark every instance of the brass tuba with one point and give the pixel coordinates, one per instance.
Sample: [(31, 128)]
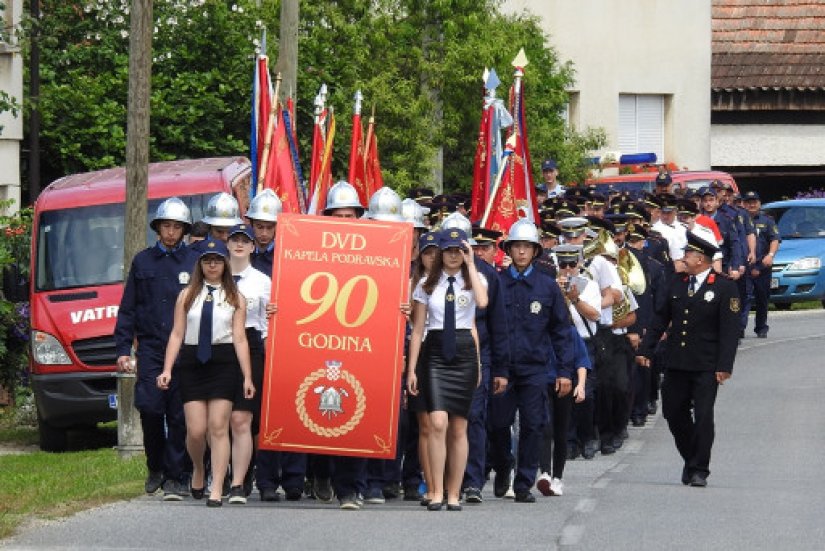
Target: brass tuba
[(601, 244), (631, 272)]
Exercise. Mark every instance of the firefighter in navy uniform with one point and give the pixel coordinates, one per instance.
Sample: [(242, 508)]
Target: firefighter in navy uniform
[(759, 272), (263, 217), (146, 313), (701, 317), (731, 252), (539, 327)]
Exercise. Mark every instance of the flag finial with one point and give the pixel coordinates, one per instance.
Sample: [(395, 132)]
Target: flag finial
[(358, 98), (521, 60), (492, 81)]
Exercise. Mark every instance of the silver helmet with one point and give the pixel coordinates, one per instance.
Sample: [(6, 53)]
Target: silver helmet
[(172, 209), (522, 230), (342, 196), (460, 222), (414, 213), (385, 205), (265, 206), (222, 210)]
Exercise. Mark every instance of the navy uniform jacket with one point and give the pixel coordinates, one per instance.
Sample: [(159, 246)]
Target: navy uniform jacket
[(704, 329), (766, 232), (147, 309), (744, 228), (491, 325), (653, 299), (657, 248), (539, 324), (262, 260), (731, 250)]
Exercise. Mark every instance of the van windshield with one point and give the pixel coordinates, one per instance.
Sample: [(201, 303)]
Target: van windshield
[(81, 247)]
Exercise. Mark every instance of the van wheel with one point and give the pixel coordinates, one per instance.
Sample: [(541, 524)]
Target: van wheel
[(52, 439), (782, 305)]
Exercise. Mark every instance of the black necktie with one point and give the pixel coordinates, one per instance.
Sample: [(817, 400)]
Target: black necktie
[(237, 278), (448, 344), (692, 286), (205, 333)]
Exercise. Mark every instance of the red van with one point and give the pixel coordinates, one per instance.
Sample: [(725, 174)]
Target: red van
[(77, 282), (646, 181)]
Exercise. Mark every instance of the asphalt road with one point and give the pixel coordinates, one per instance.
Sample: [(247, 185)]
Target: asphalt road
[(765, 492)]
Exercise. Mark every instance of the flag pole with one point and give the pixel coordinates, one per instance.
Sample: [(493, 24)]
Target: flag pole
[(270, 131)]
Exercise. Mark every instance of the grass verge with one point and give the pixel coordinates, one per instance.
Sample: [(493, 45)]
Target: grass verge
[(44, 485)]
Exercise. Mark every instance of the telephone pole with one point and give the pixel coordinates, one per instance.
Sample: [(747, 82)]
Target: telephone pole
[(129, 434)]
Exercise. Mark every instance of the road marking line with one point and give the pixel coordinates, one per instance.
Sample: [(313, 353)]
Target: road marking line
[(571, 535), (585, 505), (619, 468)]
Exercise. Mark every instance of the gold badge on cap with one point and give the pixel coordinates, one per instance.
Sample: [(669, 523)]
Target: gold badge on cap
[(454, 234), (535, 307), (735, 305)]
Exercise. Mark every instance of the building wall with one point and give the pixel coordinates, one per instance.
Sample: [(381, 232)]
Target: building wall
[(746, 145), (11, 82), (636, 47)]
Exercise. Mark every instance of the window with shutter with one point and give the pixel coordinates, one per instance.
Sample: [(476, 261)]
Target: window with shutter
[(642, 124)]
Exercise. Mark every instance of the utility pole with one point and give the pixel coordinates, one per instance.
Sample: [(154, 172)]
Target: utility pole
[(129, 433), (287, 63), (34, 94)]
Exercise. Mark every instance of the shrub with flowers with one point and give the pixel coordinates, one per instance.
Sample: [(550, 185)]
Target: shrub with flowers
[(14, 316)]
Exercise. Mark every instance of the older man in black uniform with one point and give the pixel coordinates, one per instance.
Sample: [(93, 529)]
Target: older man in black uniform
[(702, 311)]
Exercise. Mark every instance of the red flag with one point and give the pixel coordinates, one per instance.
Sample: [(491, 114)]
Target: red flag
[(481, 166), (372, 165), (503, 210), (280, 175), (356, 160), (522, 178), (318, 137), (323, 181)]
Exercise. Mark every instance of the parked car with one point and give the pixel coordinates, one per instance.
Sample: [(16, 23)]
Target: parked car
[(646, 181), (797, 270)]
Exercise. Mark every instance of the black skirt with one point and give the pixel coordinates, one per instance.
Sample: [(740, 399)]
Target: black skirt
[(216, 379), (449, 386)]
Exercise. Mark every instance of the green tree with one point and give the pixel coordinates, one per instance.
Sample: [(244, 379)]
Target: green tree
[(417, 62)]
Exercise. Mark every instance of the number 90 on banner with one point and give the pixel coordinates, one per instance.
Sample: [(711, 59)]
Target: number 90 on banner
[(327, 293)]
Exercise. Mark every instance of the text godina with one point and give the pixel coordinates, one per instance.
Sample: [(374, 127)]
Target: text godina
[(342, 258)]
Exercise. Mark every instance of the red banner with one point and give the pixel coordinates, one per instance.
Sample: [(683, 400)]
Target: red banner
[(334, 355)]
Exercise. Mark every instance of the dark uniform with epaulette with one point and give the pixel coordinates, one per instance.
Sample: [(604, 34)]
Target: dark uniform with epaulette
[(703, 333), (146, 314), (766, 233)]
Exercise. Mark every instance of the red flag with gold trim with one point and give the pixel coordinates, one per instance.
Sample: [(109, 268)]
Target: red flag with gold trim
[(372, 165)]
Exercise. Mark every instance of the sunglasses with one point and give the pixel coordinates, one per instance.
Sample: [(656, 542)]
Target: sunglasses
[(568, 264)]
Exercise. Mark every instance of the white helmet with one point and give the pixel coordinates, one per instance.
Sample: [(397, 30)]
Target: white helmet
[(172, 209), (342, 196), (522, 230), (222, 210), (265, 206), (385, 205), (458, 221), (414, 213)]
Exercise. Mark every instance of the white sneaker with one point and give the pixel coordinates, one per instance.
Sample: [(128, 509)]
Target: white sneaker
[(544, 484), (556, 487), (511, 494)]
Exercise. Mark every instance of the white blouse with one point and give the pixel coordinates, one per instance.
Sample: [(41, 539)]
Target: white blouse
[(256, 287), (465, 302), (222, 313)]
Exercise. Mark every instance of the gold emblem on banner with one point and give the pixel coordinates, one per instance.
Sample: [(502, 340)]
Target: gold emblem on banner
[(735, 305), (334, 400)]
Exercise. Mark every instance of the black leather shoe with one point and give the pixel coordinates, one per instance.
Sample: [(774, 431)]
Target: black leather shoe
[(294, 494), (525, 497), (698, 481), (425, 501), (214, 503), (762, 335), (434, 506), (391, 490), (411, 493), (197, 493), (652, 407), (590, 449), (454, 507), (607, 449), (501, 483), (685, 475), (473, 495), (617, 442), (270, 494)]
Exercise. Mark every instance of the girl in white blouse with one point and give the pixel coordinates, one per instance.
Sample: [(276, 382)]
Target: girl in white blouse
[(450, 370), (208, 383)]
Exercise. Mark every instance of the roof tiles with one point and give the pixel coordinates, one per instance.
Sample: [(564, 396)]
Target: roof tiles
[(768, 44)]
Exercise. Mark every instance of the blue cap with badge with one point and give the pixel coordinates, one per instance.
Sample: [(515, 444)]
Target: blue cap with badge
[(244, 229), (548, 164), (452, 237), (429, 239), (751, 196), (210, 246)]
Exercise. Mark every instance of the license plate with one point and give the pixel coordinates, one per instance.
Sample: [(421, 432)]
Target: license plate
[(774, 283), (113, 401)]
